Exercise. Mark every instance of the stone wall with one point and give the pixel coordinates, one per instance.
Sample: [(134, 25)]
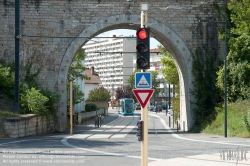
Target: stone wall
[(52, 31), (27, 125), (100, 104), (88, 115)]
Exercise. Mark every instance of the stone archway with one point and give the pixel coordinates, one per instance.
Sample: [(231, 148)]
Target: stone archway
[(161, 32)]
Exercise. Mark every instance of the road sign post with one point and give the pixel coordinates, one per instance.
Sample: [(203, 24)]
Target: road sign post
[(143, 96)]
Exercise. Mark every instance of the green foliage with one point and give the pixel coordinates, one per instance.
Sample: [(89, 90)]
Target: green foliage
[(169, 69), (30, 76), (7, 81), (238, 60), (34, 102), (99, 94), (28, 88), (246, 121), (52, 99), (91, 107), (77, 68), (205, 92)]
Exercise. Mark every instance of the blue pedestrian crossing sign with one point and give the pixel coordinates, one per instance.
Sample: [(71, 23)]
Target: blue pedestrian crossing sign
[(143, 80)]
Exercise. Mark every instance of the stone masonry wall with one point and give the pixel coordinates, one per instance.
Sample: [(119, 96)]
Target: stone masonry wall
[(52, 31), (27, 125)]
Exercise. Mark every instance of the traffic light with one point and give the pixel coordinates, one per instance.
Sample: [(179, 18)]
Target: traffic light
[(143, 48), (139, 130)]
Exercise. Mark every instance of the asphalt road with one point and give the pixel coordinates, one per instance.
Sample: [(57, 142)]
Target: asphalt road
[(115, 143)]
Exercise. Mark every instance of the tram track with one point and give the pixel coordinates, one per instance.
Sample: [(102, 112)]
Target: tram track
[(112, 130)]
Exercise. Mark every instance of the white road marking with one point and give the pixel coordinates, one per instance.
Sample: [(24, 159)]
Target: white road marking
[(189, 139), (18, 141)]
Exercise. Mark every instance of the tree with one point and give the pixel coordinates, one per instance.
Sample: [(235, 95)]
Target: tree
[(124, 92), (76, 71), (170, 73), (169, 69), (99, 94), (238, 60)]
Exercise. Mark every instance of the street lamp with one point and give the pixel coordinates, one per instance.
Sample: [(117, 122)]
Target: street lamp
[(225, 65)]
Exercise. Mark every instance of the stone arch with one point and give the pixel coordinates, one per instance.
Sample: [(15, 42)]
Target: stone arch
[(169, 39)]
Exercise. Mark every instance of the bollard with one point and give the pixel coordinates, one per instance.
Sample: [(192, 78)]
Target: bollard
[(184, 126), (169, 121), (177, 126)]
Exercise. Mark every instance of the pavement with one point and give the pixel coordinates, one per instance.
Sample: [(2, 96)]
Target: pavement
[(225, 158)]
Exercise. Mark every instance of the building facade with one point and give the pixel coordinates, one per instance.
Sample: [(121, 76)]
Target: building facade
[(112, 60)]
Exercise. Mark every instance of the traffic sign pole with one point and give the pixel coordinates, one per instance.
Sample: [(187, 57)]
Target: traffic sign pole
[(143, 96), (144, 142)]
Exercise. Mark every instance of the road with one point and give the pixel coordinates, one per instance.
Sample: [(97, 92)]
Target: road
[(115, 143)]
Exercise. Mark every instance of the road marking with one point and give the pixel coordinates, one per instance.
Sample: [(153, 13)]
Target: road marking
[(64, 141), (18, 141), (189, 139)]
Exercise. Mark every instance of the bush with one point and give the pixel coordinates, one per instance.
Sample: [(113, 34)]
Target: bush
[(91, 107), (7, 81), (34, 102), (99, 94)]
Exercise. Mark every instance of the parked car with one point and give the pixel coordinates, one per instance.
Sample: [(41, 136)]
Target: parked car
[(164, 107), (170, 112), (158, 109), (151, 108), (138, 107)]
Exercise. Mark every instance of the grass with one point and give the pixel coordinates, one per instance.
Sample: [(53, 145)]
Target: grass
[(235, 113)]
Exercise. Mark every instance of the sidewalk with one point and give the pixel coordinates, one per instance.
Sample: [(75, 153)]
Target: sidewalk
[(201, 160)]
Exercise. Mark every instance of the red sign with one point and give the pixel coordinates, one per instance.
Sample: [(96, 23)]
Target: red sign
[(143, 96)]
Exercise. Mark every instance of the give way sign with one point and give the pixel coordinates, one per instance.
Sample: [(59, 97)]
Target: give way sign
[(143, 96)]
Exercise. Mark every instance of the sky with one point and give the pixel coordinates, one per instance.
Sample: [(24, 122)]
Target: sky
[(127, 32)]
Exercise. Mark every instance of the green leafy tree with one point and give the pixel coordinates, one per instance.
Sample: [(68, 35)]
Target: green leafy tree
[(169, 69), (76, 71), (170, 73), (238, 60), (99, 94)]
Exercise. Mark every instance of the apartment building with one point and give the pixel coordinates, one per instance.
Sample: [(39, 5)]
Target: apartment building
[(112, 60)]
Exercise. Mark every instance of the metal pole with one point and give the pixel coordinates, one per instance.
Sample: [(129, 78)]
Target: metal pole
[(225, 84), (71, 107), (169, 104), (17, 53), (144, 111)]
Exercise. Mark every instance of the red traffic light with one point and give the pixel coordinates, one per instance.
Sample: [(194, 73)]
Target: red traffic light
[(142, 34)]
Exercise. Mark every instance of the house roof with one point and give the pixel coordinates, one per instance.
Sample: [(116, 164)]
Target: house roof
[(93, 78)]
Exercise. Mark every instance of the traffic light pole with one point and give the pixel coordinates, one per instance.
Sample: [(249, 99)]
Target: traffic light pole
[(144, 111)]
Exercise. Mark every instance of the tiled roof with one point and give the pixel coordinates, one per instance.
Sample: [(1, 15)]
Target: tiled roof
[(93, 79), (155, 50)]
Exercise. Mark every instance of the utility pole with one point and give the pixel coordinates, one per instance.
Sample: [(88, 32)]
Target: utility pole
[(17, 53), (144, 111)]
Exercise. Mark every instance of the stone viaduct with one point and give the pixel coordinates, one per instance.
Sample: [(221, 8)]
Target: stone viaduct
[(52, 31)]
